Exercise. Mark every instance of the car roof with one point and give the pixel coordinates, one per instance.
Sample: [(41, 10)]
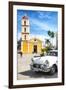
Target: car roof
[(53, 51)]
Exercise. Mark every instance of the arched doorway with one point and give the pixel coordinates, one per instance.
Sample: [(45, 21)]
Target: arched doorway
[(35, 48)]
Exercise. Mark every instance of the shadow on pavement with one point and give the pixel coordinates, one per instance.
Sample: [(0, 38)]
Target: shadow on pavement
[(38, 74)]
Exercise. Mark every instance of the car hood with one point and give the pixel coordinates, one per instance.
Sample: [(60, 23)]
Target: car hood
[(41, 60)]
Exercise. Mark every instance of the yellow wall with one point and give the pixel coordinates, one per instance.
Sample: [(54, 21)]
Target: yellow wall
[(30, 47), (24, 48), (39, 46)]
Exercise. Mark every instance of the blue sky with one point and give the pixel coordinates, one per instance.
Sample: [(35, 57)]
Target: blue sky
[(40, 21)]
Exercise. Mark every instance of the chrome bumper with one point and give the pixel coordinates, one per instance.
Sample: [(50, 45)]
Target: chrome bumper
[(39, 69)]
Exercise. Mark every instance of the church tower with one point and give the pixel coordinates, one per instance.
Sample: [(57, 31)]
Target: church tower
[(28, 45), (25, 34), (25, 28)]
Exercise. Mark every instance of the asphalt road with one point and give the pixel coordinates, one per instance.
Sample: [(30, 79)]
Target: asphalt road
[(24, 71)]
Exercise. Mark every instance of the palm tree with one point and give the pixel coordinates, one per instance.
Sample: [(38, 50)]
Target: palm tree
[(47, 42), (51, 34)]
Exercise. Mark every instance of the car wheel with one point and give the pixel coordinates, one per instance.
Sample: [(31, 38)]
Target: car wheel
[(53, 70)]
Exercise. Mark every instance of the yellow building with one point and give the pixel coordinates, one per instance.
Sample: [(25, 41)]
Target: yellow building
[(28, 45)]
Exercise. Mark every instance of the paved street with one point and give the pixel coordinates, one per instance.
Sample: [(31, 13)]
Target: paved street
[(24, 71)]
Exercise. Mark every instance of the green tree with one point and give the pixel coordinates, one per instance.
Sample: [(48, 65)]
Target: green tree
[(51, 35), (47, 42), (42, 51), (19, 44)]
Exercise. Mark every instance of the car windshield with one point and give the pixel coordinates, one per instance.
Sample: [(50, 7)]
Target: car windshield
[(52, 54)]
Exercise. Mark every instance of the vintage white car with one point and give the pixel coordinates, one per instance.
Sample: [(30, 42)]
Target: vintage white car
[(47, 63)]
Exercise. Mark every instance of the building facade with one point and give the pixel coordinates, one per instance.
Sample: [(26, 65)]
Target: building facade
[(28, 45)]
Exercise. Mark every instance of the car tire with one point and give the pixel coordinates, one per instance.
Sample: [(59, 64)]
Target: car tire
[(53, 70)]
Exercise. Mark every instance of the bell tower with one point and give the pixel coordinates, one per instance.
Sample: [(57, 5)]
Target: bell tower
[(25, 28), (25, 34)]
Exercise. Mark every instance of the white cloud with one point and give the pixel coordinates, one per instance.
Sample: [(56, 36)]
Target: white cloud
[(40, 37), (19, 35), (40, 24), (42, 15), (43, 25)]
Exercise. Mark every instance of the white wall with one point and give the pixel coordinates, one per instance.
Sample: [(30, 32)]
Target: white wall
[(4, 45)]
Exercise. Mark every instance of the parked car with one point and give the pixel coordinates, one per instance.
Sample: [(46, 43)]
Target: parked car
[(47, 63)]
